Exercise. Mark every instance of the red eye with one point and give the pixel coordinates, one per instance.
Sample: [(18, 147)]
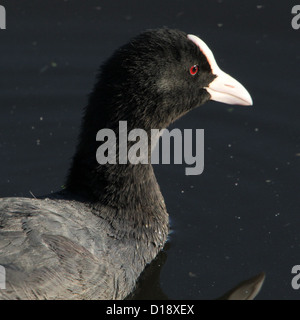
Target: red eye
[(194, 69)]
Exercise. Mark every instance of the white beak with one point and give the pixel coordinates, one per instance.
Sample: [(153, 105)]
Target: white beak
[(224, 88)]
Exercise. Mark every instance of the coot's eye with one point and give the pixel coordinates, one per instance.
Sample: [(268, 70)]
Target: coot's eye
[(194, 69)]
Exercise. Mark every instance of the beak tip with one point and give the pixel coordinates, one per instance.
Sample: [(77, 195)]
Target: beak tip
[(249, 103)]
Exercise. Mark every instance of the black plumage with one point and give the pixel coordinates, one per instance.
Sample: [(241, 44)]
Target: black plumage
[(93, 239)]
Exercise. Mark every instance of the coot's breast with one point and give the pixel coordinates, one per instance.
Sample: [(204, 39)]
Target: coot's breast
[(58, 249)]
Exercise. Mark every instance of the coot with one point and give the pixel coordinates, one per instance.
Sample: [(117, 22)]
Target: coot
[(93, 239)]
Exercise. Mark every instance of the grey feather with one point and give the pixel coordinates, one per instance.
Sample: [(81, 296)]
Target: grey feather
[(52, 249)]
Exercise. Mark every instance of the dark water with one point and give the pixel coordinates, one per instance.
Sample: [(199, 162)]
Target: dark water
[(241, 216)]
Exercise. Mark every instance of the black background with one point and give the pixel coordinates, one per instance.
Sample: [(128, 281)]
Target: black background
[(241, 216)]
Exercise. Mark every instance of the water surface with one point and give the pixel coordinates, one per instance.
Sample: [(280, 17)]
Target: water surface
[(241, 216)]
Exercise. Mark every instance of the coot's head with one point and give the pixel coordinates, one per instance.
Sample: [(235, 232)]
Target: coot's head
[(149, 82), (159, 76)]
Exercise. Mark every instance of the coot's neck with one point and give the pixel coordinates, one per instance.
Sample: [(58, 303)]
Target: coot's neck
[(121, 186)]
